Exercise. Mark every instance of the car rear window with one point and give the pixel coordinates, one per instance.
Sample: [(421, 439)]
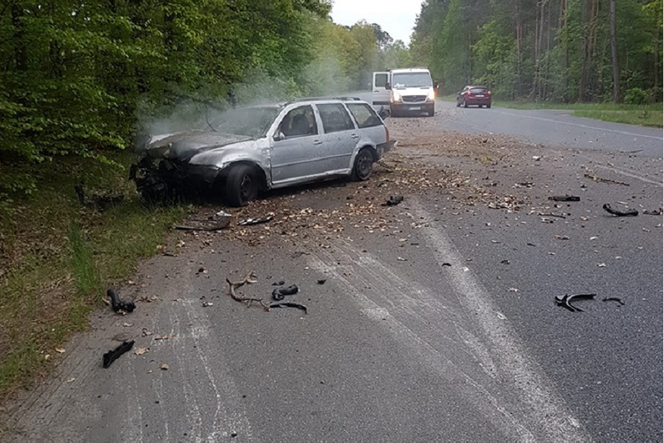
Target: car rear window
[(335, 117), (478, 90), (364, 115)]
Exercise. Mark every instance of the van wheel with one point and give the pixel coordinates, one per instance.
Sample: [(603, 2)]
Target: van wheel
[(363, 165), (241, 185)]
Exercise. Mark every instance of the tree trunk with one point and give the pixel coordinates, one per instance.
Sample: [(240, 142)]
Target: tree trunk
[(20, 53), (614, 52)]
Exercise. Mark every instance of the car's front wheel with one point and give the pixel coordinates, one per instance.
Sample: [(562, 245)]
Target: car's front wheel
[(241, 185), (363, 165)]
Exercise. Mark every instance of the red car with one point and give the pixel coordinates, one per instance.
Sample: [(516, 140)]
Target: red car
[(474, 96)]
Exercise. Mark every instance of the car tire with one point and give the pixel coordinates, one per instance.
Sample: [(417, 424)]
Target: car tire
[(465, 104), (241, 185), (488, 106), (363, 165), (458, 104)]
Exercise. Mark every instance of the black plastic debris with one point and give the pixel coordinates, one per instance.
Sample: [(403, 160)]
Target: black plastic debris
[(565, 198), (566, 300), (653, 212), (393, 200), (255, 221), (628, 213), (118, 304), (286, 304), (279, 283), (113, 355), (280, 293), (446, 264), (321, 281), (616, 299)]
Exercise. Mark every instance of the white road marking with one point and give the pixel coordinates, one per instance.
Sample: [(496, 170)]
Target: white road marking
[(543, 407), (526, 409), (579, 125)]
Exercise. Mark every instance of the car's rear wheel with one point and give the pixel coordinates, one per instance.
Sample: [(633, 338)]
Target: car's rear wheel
[(363, 165), (241, 185), (488, 106), (458, 104), (465, 104)]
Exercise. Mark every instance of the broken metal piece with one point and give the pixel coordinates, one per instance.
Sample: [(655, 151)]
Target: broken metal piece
[(565, 198), (616, 299), (280, 293), (565, 300), (255, 221), (630, 212), (118, 304), (286, 304), (653, 212), (113, 355)]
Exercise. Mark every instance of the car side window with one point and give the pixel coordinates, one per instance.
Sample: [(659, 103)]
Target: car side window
[(335, 117), (364, 115), (299, 122)]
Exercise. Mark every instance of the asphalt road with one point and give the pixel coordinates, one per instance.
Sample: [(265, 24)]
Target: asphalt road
[(433, 321)]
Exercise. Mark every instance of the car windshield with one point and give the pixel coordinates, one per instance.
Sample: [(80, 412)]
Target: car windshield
[(254, 121), (412, 80)]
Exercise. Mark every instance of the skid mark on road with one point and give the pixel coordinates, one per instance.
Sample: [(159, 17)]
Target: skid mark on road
[(207, 397), (455, 331), (541, 407)]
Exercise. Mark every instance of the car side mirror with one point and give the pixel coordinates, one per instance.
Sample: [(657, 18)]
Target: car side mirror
[(384, 113), (279, 136), (435, 85), (388, 85)]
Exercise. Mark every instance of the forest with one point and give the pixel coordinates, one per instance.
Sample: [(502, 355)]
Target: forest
[(81, 78), (545, 50)]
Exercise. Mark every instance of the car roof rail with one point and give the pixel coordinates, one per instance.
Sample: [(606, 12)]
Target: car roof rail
[(308, 99)]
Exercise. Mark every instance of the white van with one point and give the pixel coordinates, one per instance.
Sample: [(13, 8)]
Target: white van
[(405, 91)]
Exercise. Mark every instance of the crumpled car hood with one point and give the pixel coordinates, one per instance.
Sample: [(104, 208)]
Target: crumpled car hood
[(184, 145)]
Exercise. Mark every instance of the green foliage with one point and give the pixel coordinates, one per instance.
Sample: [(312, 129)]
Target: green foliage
[(636, 96), (540, 50)]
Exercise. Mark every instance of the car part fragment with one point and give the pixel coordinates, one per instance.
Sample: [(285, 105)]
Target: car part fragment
[(566, 300), (280, 293), (114, 354), (118, 304), (630, 212), (565, 198)]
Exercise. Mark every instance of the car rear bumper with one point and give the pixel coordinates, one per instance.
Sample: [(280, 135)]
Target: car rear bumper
[(412, 108)]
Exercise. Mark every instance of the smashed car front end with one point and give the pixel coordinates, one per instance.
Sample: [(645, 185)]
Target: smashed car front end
[(165, 169)]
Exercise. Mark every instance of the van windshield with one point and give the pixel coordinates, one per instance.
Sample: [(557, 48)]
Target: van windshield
[(412, 80)]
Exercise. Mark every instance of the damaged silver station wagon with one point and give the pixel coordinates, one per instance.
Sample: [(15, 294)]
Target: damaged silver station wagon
[(248, 150)]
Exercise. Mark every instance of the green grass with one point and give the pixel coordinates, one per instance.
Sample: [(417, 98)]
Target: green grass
[(642, 115), (57, 258)]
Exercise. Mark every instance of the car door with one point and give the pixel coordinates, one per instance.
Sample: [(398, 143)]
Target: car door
[(340, 137), (296, 147), (380, 95)]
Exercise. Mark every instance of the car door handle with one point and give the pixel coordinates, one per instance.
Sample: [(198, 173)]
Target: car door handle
[(318, 142), (355, 136)]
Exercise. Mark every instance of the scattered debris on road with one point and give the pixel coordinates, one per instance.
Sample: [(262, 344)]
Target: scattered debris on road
[(279, 293), (628, 213), (604, 180), (119, 305), (250, 278), (321, 281), (566, 300), (288, 305), (114, 354), (653, 212), (565, 198), (255, 221), (616, 299)]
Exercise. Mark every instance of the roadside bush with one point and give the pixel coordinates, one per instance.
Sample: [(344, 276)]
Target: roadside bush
[(636, 96)]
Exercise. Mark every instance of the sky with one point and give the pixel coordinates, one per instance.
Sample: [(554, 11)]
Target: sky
[(397, 17)]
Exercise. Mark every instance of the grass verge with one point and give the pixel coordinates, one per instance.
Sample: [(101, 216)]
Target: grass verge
[(57, 257), (642, 115)]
